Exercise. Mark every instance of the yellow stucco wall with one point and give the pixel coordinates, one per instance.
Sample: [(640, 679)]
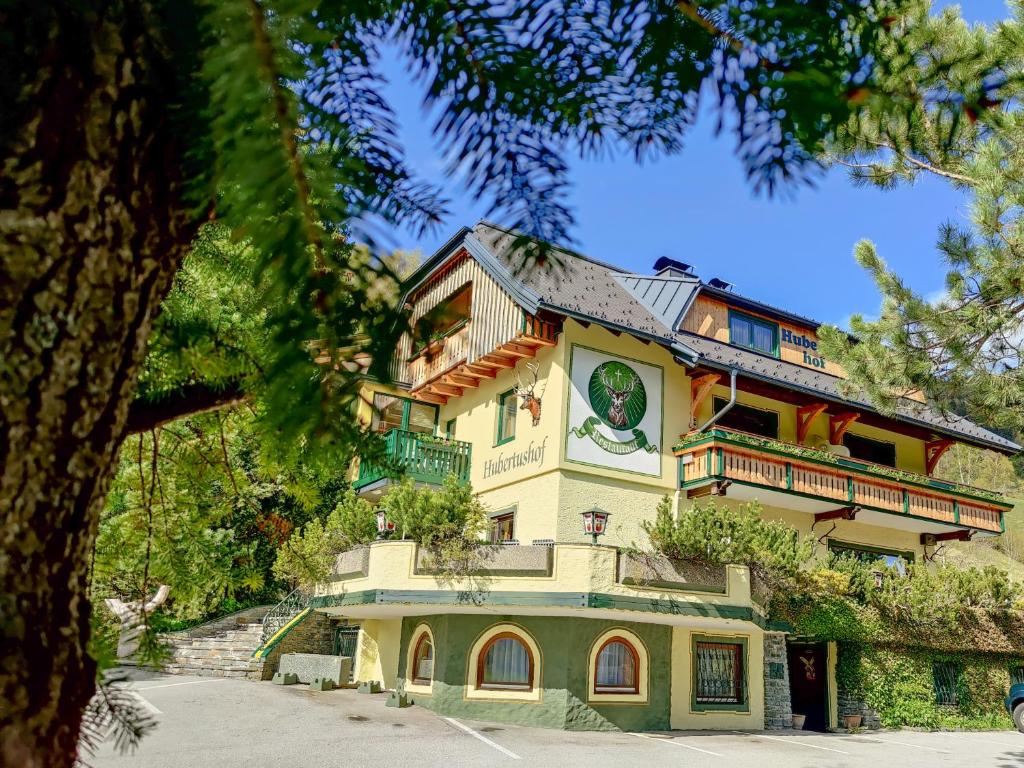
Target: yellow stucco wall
[(684, 716), (377, 651)]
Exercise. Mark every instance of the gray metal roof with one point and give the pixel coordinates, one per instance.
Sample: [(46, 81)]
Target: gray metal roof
[(667, 297), (652, 307)]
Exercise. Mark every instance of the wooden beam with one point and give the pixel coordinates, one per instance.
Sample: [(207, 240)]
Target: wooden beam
[(517, 350), (461, 380), (445, 389), (947, 536), (843, 513), (805, 414), (838, 424), (429, 397), (933, 451), (497, 361), (535, 341), (700, 388), (480, 370)]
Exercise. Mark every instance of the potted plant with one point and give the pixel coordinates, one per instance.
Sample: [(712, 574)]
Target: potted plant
[(851, 722), (798, 722)]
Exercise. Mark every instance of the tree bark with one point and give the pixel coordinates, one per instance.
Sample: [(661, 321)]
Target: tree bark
[(92, 229)]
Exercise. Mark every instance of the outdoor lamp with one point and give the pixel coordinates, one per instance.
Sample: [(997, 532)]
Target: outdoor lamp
[(383, 524), (594, 522)]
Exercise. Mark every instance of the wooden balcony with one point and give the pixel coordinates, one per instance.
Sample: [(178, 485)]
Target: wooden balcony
[(469, 355), (796, 477), (423, 458)]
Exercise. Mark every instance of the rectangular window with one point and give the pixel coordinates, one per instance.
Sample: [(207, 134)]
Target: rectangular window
[(390, 412), (752, 333), (503, 527), (866, 449), (889, 557), (449, 429), (718, 675), (507, 405), (744, 418), (947, 682), (444, 319)]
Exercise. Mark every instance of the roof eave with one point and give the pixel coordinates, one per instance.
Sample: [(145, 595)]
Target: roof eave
[(1013, 448)]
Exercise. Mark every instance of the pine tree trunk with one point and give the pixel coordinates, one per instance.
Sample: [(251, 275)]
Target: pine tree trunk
[(92, 228)]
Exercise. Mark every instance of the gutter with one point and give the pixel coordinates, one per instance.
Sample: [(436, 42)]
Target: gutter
[(725, 408)]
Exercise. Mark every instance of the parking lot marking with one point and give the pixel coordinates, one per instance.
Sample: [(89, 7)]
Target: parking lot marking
[(172, 685), (675, 743), (875, 739), (792, 741), (1018, 745), (483, 738)]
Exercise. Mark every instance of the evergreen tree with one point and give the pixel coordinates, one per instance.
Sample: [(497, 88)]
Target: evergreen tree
[(964, 125), (127, 125)]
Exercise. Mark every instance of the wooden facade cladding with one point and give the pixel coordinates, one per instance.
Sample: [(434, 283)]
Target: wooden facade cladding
[(710, 317), (496, 334), (717, 456)]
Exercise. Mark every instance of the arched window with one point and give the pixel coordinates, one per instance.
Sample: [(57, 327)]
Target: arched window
[(618, 667), (423, 660), (505, 663)]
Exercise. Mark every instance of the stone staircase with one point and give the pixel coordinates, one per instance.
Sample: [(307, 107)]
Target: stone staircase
[(220, 648)]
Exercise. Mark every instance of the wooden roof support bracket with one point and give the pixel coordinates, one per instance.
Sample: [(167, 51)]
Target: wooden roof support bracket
[(933, 451), (700, 388), (805, 414), (430, 397), (838, 424), (843, 513), (931, 539)]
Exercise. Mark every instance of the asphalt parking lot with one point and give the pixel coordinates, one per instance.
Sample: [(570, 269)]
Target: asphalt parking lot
[(215, 723)]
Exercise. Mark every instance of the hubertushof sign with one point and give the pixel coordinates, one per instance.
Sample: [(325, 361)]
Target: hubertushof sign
[(800, 341), (533, 454)]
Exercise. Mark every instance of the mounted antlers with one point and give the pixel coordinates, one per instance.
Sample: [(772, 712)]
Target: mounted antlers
[(531, 401)]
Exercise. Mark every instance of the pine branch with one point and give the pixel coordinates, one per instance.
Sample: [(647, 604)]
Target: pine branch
[(190, 400)]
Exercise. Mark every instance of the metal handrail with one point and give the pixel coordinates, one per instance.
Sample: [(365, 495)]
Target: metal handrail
[(293, 604)]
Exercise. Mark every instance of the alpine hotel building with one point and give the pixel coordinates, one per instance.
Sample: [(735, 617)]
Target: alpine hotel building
[(581, 398)]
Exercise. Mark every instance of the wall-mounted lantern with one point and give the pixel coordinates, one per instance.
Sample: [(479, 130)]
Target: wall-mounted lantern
[(595, 521)]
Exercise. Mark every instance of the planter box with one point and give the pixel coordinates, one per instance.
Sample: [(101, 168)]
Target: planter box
[(658, 571)]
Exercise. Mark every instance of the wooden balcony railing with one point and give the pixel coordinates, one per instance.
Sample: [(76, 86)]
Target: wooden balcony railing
[(439, 357), (423, 458), (720, 454)]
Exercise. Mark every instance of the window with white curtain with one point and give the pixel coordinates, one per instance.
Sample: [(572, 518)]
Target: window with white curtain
[(505, 663), (617, 665), (749, 332), (423, 661)]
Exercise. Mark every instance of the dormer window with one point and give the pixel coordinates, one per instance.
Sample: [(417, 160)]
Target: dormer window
[(444, 319), (753, 333)]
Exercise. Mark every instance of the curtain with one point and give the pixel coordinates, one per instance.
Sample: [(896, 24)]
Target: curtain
[(425, 661), (764, 338), (615, 667), (507, 662)]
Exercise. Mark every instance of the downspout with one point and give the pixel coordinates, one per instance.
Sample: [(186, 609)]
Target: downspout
[(725, 408)]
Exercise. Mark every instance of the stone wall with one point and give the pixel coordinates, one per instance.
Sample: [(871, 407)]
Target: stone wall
[(314, 634), (778, 708), (851, 704)]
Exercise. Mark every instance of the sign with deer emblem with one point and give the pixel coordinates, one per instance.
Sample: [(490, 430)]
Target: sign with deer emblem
[(614, 412)]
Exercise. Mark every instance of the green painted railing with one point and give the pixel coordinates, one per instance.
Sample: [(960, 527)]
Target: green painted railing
[(424, 458)]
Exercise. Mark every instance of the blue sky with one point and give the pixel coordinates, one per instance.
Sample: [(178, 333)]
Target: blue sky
[(794, 252)]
